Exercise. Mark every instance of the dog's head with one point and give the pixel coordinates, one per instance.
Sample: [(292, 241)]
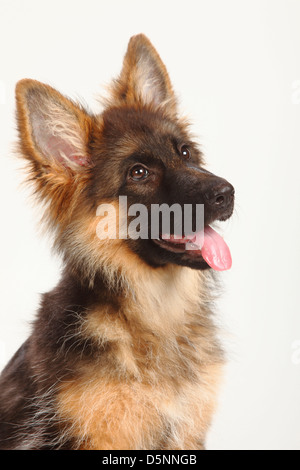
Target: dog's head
[(137, 148)]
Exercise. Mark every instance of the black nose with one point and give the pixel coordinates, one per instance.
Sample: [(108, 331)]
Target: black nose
[(220, 195)]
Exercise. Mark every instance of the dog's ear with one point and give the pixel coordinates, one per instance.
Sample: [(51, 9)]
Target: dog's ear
[(144, 79), (54, 139), (54, 131)]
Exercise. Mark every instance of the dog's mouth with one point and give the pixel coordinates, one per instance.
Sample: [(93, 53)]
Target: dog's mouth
[(206, 245)]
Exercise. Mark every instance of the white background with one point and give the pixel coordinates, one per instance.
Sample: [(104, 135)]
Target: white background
[(236, 67)]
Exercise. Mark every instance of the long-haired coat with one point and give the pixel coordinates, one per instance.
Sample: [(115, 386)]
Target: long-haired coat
[(124, 352)]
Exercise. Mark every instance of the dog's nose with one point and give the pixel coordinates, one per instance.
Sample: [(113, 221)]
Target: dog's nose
[(220, 196)]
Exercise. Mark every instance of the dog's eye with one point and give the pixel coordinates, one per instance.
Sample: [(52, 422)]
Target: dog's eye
[(138, 173), (185, 152)]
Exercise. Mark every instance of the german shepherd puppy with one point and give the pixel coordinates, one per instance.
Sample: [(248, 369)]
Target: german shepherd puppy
[(124, 352)]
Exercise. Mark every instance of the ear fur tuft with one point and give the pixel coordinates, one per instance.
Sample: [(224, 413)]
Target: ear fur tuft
[(144, 80), (54, 139), (53, 130)]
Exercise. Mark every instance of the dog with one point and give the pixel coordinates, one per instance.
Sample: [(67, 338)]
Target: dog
[(124, 352)]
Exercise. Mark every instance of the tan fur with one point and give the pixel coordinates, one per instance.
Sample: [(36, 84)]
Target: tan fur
[(61, 116), (132, 415), (144, 79), (58, 186), (163, 371), (159, 378), (155, 375)]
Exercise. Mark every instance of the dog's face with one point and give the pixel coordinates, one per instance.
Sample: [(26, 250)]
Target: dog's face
[(138, 148), (158, 164)]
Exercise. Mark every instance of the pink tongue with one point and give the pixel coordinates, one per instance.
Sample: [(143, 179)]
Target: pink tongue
[(215, 251), (213, 248)]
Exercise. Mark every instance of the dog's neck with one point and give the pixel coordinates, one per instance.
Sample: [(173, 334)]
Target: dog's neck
[(157, 298)]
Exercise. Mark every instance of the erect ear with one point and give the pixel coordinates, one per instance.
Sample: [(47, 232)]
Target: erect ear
[(54, 132), (144, 78)]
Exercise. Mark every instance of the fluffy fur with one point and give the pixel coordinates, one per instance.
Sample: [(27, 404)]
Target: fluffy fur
[(124, 352)]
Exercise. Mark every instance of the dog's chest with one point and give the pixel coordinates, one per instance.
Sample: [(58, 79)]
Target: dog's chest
[(144, 393), (106, 414)]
